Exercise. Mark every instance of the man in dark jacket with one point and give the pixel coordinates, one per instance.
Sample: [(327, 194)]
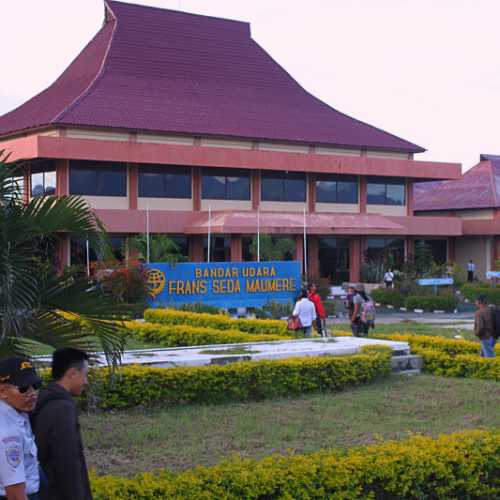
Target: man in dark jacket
[(57, 431)]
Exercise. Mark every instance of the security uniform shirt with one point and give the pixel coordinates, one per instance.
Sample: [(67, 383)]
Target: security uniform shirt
[(18, 453)]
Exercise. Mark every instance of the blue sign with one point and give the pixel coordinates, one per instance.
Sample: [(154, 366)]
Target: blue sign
[(223, 284), (493, 274), (435, 281)]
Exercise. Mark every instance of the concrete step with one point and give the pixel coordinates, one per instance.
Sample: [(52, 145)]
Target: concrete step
[(406, 363)]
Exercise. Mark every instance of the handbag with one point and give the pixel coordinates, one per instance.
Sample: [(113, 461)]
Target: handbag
[(294, 323)]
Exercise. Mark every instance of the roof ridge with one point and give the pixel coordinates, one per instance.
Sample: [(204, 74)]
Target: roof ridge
[(98, 75), (492, 183)]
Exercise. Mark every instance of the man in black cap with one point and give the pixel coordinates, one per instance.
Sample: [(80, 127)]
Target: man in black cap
[(55, 424), (19, 386)]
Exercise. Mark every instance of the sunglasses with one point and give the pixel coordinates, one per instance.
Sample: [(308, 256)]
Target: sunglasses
[(25, 388)]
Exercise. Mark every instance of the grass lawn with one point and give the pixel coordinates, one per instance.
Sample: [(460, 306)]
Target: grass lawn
[(129, 442), (416, 328)]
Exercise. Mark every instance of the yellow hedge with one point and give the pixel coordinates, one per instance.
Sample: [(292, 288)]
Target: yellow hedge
[(218, 321), (187, 335), (239, 381), (465, 465)]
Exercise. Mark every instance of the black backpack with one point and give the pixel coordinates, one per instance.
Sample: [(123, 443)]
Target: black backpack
[(496, 321)]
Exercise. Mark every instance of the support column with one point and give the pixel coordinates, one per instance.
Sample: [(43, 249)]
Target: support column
[(255, 189), (236, 248), (409, 197), (26, 183), (409, 248), (313, 257), (133, 186), (451, 253), (196, 189), (196, 248), (311, 193), (354, 259), (299, 251), (63, 253), (62, 177), (362, 194)]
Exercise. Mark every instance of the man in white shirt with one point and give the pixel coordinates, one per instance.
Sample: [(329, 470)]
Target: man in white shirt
[(306, 311), (389, 279), (471, 269)]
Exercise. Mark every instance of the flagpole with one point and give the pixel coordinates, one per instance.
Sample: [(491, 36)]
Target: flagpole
[(147, 233), (209, 231), (258, 234), (305, 245), (88, 258)]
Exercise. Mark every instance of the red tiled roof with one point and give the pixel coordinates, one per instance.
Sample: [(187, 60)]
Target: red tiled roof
[(478, 188), (159, 70)]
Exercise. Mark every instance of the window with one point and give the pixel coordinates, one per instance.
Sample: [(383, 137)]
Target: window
[(334, 259), (390, 251), (225, 184), (43, 180), (97, 178), (336, 189), (283, 186), (220, 249), (160, 181), (385, 191)]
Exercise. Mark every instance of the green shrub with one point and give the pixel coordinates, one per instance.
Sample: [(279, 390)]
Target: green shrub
[(471, 291), (199, 307), (274, 310), (431, 302), (388, 296), (330, 307), (464, 465), (257, 326), (186, 335), (241, 381)]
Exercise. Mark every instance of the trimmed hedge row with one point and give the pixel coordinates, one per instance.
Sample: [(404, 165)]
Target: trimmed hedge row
[(450, 358), (471, 291), (461, 465), (219, 321), (187, 335), (388, 296), (431, 302), (240, 381)]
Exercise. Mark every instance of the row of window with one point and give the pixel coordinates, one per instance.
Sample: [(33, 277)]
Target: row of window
[(110, 179)]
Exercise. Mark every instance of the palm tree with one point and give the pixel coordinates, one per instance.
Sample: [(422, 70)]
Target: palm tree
[(161, 248), (37, 304)]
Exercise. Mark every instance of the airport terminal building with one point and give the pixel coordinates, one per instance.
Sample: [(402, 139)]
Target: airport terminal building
[(180, 116)]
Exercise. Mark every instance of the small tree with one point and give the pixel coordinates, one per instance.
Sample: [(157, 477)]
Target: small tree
[(272, 248), (161, 248)]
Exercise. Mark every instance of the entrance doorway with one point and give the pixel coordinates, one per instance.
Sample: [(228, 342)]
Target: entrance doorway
[(334, 259)]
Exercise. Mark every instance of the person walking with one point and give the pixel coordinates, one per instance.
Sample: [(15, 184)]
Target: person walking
[(363, 312), (19, 386), (471, 269), (389, 279), (314, 297), (484, 327), (306, 312), (56, 427)]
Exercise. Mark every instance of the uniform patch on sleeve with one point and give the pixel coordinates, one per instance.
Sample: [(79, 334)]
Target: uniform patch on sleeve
[(14, 455)]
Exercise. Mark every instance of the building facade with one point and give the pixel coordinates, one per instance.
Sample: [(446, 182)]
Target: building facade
[(475, 200), (190, 123)]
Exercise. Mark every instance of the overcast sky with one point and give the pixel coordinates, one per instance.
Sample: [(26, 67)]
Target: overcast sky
[(426, 70)]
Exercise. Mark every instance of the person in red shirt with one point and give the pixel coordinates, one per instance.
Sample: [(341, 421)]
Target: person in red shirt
[(314, 297)]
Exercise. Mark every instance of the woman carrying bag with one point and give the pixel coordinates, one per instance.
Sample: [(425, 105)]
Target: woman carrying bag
[(306, 312)]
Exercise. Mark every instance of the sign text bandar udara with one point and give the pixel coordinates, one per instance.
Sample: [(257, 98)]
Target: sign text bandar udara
[(224, 284)]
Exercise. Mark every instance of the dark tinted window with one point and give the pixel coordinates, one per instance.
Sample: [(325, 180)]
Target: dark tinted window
[(386, 191), (225, 184), (336, 189), (391, 251), (164, 182), (97, 178), (283, 186), (43, 180)]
